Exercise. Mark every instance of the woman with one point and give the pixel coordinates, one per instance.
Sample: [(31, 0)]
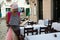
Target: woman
[(13, 19)]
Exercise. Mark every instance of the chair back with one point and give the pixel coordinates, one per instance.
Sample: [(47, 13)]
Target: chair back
[(30, 31), (41, 22), (46, 22), (27, 31)]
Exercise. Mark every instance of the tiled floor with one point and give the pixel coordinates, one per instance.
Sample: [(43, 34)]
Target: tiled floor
[(3, 29)]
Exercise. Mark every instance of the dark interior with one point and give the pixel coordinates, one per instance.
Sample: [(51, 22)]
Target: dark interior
[(56, 10), (40, 8)]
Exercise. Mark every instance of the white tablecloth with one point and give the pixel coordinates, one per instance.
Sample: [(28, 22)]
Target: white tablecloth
[(46, 22), (41, 22), (56, 26), (29, 26), (44, 37)]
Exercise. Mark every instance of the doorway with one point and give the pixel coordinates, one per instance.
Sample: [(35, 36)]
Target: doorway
[(56, 10), (40, 8)]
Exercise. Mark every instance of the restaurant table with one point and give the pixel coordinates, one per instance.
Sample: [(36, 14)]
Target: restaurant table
[(50, 36), (29, 26), (41, 22), (56, 26)]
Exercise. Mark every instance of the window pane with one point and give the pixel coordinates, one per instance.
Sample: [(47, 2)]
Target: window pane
[(27, 11), (8, 9)]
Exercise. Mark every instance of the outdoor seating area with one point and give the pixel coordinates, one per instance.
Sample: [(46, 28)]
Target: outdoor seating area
[(41, 28)]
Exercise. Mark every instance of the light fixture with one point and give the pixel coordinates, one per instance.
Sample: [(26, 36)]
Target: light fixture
[(35, 4), (27, 1)]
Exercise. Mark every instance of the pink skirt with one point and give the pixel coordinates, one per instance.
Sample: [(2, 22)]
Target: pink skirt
[(9, 34)]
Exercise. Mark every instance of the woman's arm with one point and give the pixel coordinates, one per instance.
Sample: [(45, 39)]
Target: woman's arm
[(19, 20)]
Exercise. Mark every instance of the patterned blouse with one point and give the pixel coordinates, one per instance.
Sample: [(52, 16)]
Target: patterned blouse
[(14, 20)]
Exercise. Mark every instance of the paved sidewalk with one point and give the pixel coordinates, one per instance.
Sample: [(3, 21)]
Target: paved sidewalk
[(3, 29)]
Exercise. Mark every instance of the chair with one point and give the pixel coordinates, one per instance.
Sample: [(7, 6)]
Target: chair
[(30, 30), (55, 27), (35, 31), (34, 22), (30, 23), (50, 22), (46, 22), (41, 22), (43, 29)]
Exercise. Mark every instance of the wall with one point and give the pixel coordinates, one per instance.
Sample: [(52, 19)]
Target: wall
[(21, 3), (47, 9), (3, 11), (33, 15), (4, 6)]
